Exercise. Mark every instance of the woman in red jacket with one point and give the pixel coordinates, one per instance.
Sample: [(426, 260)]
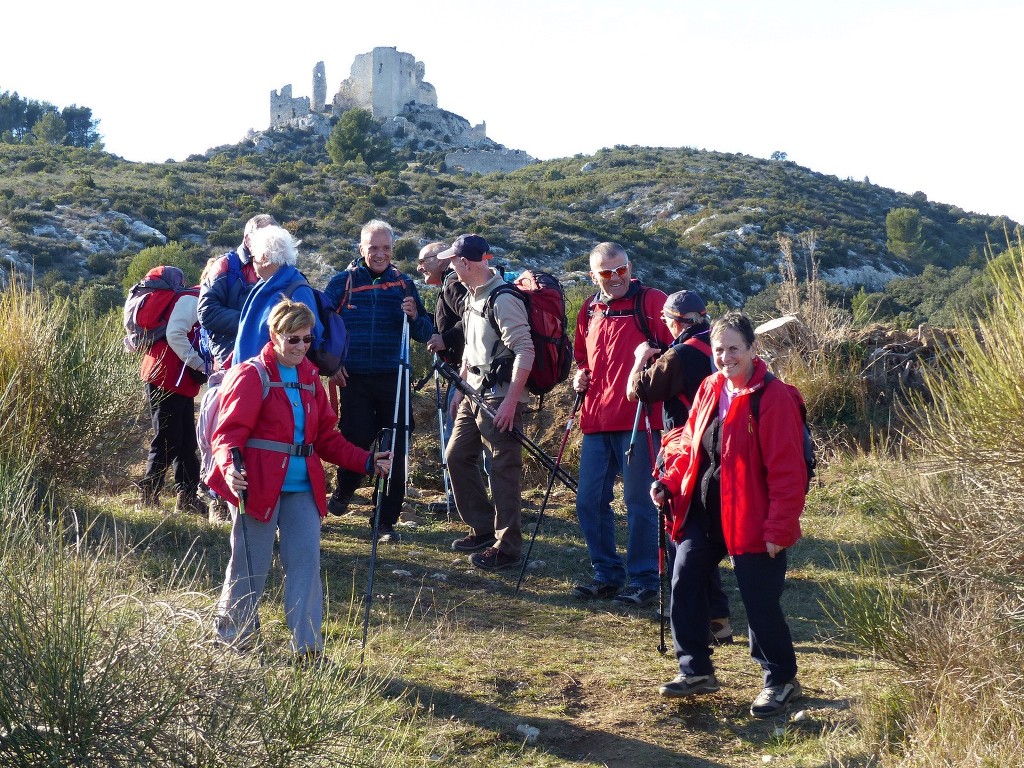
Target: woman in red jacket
[(736, 485), (274, 408)]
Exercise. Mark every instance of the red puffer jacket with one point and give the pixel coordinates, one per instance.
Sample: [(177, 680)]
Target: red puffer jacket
[(163, 365), (245, 414), (604, 345), (764, 477)]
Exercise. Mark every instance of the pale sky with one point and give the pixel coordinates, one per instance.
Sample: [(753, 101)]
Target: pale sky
[(916, 95)]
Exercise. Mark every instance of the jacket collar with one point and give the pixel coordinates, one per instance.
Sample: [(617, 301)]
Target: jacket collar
[(755, 383), (635, 286)]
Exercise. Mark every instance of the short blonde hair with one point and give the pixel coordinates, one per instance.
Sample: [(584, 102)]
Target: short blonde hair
[(289, 316)]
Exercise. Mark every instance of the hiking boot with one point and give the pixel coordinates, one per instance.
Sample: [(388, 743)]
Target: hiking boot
[(493, 559), (720, 632), (681, 686), (337, 506), (219, 512), (636, 597), (186, 502), (389, 535), (473, 543), (441, 508), (595, 590), (774, 699), (148, 497)]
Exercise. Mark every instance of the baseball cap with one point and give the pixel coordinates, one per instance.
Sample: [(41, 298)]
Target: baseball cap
[(469, 247), (682, 303)]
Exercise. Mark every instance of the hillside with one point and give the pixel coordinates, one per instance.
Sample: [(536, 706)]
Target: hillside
[(699, 219)]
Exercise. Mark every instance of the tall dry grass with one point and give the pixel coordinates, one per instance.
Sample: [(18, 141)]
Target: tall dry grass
[(813, 352), (70, 391), (102, 662), (951, 612)]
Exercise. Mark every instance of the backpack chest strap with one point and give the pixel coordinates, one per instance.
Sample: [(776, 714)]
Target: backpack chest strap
[(292, 449)]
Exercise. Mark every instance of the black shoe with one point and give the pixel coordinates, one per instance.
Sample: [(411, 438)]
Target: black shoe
[(681, 686), (595, 590), (493, 559), (775, 698), (389, 535), (637, 597), (186, 502), (337, 506), (473, 543)]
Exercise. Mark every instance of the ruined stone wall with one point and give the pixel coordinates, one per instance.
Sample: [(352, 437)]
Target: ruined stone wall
[(487, 161), (283, 107)]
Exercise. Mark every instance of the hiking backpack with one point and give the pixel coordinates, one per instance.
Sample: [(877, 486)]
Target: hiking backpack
[(209, 412), (545, 310), (329, 354), (149, 305), (755, 410)]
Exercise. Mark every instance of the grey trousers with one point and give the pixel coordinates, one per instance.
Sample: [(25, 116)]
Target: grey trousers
[(298, 519), (473, 430)]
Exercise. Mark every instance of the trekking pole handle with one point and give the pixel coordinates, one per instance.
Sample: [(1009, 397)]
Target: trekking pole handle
[(236, 460)]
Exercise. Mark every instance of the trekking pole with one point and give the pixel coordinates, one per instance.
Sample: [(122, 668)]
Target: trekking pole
[(662, 562), (531, 447), (398, 400), (382, 438), (406, 363), (243, 495), (662, 544), (441, 417), (551, 481), (636, 428)]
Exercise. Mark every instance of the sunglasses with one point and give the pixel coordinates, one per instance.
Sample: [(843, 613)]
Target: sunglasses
[(606, 274), (298, 339)]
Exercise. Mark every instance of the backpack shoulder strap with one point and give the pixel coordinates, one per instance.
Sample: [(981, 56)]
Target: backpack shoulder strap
[(700, 344), (641, 316), (493, 297), (261, 369), (755, 396), (294, 285)]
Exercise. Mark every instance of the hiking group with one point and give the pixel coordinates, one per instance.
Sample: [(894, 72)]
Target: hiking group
[(709, 447)]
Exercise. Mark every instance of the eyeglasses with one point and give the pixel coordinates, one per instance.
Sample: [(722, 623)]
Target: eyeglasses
[(298, 339), (606, 274)]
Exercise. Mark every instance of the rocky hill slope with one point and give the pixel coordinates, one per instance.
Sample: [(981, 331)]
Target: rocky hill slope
[(704, 220)]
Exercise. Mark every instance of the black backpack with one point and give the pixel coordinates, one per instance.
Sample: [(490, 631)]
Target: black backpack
[(755, 410)]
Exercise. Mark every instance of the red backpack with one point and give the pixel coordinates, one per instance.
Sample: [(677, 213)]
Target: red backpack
[(545, 310), (149, 305)]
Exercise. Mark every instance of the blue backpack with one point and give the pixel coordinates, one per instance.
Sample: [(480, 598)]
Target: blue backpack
[(330, 352)]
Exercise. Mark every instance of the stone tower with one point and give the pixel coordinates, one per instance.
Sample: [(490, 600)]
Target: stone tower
[(319, 88), (384, 81)]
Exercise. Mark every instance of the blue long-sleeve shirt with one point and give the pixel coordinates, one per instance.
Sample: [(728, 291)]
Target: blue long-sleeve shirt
[(373, 316)]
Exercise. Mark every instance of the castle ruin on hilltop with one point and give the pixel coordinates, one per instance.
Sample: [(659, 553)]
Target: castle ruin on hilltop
[(389, 84)]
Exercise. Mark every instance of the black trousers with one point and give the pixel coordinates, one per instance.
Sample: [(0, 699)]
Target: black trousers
[(367, 407), (174, 441)]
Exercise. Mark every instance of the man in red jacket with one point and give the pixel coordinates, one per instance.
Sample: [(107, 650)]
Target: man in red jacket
[(622, 314)]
